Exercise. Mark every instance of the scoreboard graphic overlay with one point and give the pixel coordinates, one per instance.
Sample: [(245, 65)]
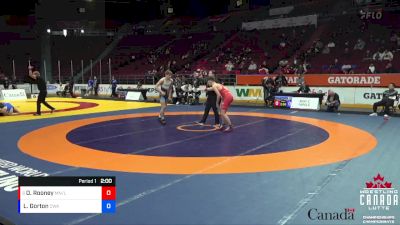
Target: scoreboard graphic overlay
[(66, 195)]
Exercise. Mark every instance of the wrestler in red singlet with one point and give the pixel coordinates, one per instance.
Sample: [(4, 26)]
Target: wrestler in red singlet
[(227, 98), (225, 95)]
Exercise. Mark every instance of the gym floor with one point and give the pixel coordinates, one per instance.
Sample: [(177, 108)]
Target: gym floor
[(272, 169)]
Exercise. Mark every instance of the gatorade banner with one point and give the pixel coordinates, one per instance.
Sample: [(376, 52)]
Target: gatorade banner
[(329, 80)]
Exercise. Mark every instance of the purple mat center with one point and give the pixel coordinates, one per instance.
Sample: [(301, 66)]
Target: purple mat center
[(145, 136)]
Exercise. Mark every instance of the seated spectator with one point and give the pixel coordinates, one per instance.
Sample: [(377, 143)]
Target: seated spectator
[(387, 55), (229, 66), (346, 68), (371, 69), (389, 96), (360, 44), (304, 88), (335, 66), (389, 68), (378, 55), (332, 102), (252, 67), (6, 83), (263, 68), (331, 44)]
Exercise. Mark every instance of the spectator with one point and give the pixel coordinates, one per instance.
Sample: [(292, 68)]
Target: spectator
[(389, 68), (389, 96), (263, 70), (371, 69), (304, 88), (347, 68), (332, 102), (331, 44), (114, 84), (90, 87), (229, 66), (360, 44), (6, 83), (96, 86), (335, 67), (252, 67), (378, 55), (387, 55)]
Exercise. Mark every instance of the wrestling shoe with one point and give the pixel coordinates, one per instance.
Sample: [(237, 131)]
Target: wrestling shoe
[(162, 120), (228, 129)]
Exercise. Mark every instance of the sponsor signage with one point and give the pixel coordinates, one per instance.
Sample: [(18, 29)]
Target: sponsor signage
[(305, 103), (134, 96), (380, 198), (332, 80), (13, 94)]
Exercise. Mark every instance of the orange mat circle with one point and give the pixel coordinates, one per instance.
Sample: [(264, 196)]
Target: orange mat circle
[(344, 142)]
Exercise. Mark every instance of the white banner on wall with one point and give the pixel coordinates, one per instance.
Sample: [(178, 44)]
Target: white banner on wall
[(13, 94), (348, 95), (281, 22)]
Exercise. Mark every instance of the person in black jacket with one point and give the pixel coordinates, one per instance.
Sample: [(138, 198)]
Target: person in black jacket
[(389, 96), (332, 102), (304, 88), (210, 103), (41, 84), (71, 87), (6, 83), (269, 89), (280, 80)]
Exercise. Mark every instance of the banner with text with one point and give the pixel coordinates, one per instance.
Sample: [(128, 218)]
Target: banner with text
[(332, 80)]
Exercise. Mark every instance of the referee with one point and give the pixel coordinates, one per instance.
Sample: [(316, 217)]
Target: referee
[(41, 84), (211, 103)]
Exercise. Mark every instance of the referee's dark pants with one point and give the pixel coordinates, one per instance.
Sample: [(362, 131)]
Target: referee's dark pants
[(42, 99), (210, 105)]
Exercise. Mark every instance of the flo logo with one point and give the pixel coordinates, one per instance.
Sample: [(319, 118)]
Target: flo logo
[(379, 194), (346, 214)]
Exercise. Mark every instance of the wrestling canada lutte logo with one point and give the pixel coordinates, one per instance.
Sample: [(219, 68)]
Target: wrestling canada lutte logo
[(379, 195)]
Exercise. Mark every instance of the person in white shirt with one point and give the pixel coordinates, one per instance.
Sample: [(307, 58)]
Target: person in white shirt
[(229, 66), (387, 55), (371, 69), (378, 55), (252, 66), (187, 89)]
